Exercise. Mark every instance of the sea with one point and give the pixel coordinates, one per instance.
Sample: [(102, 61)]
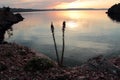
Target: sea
[(88, 33)]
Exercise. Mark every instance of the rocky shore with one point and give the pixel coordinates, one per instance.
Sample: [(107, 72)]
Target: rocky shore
[(21, 63)]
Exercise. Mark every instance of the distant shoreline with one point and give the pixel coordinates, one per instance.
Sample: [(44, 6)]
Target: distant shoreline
[(34, 10), (68, 9)]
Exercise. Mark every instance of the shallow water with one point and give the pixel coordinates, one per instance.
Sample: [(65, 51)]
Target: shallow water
[(88, 34)]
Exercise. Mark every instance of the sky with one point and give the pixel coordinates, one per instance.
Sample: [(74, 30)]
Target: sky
[(45, 4)]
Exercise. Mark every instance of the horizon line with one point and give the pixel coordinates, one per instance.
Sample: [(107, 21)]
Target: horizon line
[(59, 8)]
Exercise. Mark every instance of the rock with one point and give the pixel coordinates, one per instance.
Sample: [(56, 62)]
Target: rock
[(40, 67), (102, 64)]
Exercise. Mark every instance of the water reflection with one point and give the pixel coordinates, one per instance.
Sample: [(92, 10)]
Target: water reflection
[(114, 17), (89, 34), (72, 24)]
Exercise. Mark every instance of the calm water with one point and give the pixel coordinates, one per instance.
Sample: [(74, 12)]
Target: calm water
[(88, 34)]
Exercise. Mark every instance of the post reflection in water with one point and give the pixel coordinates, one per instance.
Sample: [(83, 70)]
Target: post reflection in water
[(88, 34)]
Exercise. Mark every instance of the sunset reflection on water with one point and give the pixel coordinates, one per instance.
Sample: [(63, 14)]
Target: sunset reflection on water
[(87, 34)]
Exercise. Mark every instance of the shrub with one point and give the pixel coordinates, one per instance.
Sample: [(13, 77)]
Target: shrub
[(38, 64)]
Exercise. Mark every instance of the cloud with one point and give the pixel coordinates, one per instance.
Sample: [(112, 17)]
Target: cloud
[(52, 3), (33, 3)]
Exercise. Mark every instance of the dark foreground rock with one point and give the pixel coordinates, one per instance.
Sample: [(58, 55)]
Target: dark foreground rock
[(17, 61), (21, 63)]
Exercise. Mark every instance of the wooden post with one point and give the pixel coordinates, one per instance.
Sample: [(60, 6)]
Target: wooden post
[(63, 39), (57, 55)]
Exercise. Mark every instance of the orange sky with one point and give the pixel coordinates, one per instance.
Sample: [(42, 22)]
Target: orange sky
[(58, 3), (88, 4)]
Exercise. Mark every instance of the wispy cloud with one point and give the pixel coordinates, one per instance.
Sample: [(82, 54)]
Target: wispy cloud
[(54, 3)]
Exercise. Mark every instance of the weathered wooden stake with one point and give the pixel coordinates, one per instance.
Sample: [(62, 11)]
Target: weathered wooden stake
[(63, 39), (57, 55)]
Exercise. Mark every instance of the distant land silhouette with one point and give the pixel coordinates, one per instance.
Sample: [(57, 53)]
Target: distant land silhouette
[(115, 9), (7, 19), (114, 12), (67, 9)]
